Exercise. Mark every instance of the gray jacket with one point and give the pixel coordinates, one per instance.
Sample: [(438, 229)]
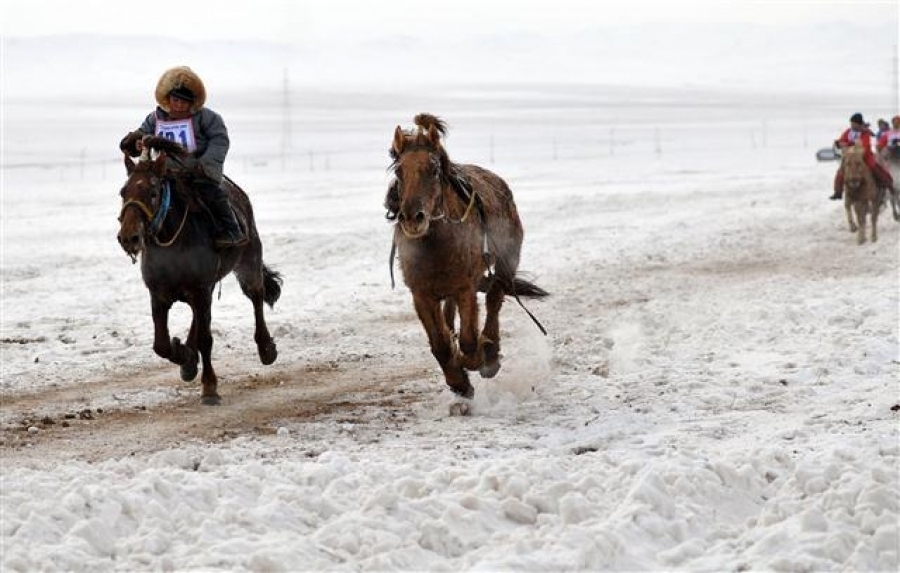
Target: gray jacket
[(211, 138)]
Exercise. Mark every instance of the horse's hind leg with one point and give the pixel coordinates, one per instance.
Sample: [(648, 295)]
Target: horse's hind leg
[(450, 314), (253, 286), (469, 346), (490, 336)]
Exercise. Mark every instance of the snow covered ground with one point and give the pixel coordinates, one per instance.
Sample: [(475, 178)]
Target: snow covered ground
[(718, 390)]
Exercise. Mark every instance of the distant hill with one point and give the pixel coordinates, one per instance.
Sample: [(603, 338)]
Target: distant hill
[(754, 58)]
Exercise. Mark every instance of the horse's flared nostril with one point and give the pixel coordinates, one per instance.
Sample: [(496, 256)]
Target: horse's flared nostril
[(420, 217), (130, 242)]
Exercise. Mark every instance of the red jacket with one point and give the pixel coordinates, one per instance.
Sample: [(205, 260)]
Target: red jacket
[(886, 138), (864, 138)]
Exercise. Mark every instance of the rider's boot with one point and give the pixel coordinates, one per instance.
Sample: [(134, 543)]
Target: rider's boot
[(838, 191), (229, 231)]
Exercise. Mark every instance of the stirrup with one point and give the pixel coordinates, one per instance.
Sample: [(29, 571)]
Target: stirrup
[(230, 242)]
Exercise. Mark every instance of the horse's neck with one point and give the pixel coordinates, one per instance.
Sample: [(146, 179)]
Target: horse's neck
[(180, 225)]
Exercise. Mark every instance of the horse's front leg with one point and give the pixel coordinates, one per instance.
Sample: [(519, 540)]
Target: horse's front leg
[(441, 342), (848, 207), (469, 348), (860, 207), (189, 366), (162, 345), (170, 348), (876, 206), (202, 307)]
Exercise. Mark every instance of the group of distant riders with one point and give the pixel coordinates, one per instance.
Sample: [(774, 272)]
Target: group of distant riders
[(887, 146)]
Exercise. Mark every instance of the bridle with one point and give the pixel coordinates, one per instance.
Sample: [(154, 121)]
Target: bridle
[(444, 181), (154, 219)]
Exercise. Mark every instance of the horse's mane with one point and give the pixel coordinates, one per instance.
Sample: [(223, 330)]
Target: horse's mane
[(416, 137), (165, 145), (428, 121)]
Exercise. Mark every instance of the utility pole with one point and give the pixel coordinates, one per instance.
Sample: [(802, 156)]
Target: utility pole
[(286, 120), (895, 99)]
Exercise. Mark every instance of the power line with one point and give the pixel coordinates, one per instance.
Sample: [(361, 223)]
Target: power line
[(286, 120)]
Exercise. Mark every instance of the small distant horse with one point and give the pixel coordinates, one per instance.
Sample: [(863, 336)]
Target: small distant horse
[(457, 233), (890, 158), (174, 235), (861, 194)]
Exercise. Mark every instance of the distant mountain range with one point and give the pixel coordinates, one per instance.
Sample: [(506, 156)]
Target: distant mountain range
[(748, 58)]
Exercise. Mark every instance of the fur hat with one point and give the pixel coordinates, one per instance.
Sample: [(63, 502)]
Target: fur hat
[(185, 84)]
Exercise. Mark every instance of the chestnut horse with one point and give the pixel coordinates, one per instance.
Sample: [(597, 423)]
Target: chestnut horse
[(861, 193), (160, 220), (457, 233)]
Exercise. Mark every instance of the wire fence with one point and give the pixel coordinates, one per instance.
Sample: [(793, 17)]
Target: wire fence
[(529, 144)]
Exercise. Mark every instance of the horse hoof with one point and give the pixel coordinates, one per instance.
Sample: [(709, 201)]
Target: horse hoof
[(268, 353), (188, 371), (489, 370), (210, 400), (461, 408)]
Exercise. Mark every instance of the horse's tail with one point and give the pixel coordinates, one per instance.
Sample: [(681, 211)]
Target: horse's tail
[(525, 289), (519, 288), (272, 282)]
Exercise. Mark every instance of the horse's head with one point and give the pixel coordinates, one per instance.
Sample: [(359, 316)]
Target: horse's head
[(420, 165), (140, 200), (854, 167)]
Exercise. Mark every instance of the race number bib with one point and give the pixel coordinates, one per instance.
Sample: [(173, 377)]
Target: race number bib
[(179, 130)]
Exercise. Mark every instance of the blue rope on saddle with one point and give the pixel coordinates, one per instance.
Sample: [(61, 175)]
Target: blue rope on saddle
[(164, 204)]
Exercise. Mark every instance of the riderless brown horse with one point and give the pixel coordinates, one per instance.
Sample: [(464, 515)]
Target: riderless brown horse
[(457, 233), (163, 223)]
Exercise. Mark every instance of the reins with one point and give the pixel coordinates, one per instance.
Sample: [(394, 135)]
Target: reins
[(152, 219)]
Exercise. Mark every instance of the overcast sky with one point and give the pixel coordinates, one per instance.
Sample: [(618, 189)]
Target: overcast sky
[(288, 20)]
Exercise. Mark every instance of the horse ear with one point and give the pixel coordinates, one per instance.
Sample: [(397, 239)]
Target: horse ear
[(399, 140), (159, 164), (129, 164)]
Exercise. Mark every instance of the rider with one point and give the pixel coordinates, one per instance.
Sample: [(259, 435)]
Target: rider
[(890, 138), (859, 134), (182, 117), (883, 127)]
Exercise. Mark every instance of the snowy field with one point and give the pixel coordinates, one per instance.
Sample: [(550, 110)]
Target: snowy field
[(718, 390)]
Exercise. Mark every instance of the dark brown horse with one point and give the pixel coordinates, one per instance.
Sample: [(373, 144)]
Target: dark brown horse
[(457, 233), (162, 222)]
